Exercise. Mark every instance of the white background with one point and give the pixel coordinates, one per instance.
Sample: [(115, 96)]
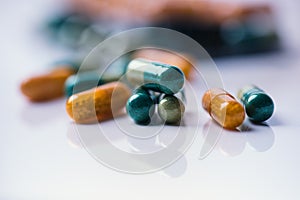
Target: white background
[(40, 158)]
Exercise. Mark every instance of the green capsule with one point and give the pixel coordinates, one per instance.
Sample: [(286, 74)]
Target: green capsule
[(81, 82), (140, 106), (171, 109), (258, 105), (155, 76), (85, 80)]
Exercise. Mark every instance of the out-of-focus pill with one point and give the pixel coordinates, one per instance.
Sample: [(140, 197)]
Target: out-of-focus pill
[(155, 76), (81, 82), (86, 79), (223, 108), (168, 58), (47, 86), (259, 106), (140, 106), (98, 104), (171, 109)]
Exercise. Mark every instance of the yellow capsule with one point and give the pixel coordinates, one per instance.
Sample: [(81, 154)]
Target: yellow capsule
[(166, 57), (47, 86), (98, 104), (223, 108)]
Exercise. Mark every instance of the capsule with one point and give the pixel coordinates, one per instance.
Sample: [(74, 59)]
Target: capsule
[(140, 106), (155, 76), (259, 106), (168, 58), (47, 86), (89, 78), (171, 109), (98, 104), (223, 108)]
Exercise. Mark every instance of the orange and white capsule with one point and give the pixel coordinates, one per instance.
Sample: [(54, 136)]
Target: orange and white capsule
[(98, 104), (223, 108)]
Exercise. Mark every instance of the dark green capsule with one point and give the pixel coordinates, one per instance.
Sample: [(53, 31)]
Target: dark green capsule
[(140, 106), (155, 76), (81, 82), (258, 105), (85, 80), (171, 109)]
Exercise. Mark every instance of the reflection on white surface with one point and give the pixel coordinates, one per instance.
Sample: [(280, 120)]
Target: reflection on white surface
[(233, 142)]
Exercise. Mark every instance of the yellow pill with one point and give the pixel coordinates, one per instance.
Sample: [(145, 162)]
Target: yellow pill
[(98, 104), (166, 57), (223, 108), (47, 86)]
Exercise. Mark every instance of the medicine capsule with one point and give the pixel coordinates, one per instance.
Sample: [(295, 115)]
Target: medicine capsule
[(81, 82), (47, 86), (140, 106), (259, 106), (166, 57), (155, 76), (98, 104), (223, 108), (171, 109)]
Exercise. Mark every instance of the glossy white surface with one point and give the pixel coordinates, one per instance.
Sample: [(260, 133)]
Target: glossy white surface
[(41, 158)]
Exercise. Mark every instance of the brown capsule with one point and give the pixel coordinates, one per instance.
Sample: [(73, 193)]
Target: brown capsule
[(98, 104), (166, 57), (48, 86), (223, 108)]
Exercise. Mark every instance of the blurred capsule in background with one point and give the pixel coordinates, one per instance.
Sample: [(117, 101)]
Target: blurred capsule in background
[(75, 31), (259, 106), (85, 80), (181, 61), (141, 106), (155, 76), (48, 86), (223, 108)]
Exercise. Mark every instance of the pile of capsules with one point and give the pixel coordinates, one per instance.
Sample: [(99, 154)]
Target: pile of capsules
[(150, 77), (152, 82)]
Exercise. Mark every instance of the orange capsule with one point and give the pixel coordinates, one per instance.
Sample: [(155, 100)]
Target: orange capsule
[(48, 86), (98, 104), (223, 108), (166, 57)]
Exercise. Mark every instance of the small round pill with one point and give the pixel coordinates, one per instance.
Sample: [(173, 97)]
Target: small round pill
[(98, 104), (223, 108), (171, 109), (155, 76), (259, 106), (140, 106)]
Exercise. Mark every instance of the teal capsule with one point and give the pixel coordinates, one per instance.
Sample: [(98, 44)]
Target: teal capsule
[(85, 80), (171, 109), (140, 106), (258, 105), (81, 82), (155, 76)]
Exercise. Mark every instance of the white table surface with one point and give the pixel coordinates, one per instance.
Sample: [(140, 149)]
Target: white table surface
[(41, 158)]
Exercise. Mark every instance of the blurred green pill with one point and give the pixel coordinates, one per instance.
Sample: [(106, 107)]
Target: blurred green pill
[(155, 76), (258, 105), (171, 109), (88, 77), (140, 106)]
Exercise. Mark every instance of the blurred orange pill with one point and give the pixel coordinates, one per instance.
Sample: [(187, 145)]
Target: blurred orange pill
[(48, 86), (98, 104), (223, 108)]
